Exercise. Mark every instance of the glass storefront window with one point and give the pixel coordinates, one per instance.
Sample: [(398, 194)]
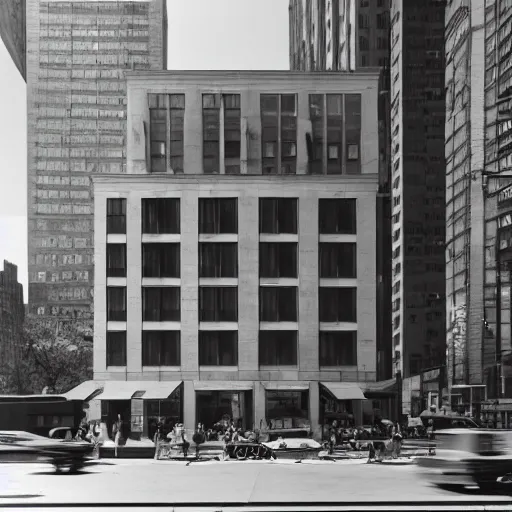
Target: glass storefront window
[(287, 409), (217, 409), (168, 412)]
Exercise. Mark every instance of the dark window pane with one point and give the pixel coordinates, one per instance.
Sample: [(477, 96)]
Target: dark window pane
[(334, 104), (278, 348), (337, 216), (218, 304), (278, 215), (218, 348), (161, 260), (116, 260), (218, 259), (218, 216), (338, 348), (116, 348), (116, 304), (278, 304), (161, 304), (161, 348), (338, 304), (337, 260), (116, 216), (278, 259), (269, 103), (288, 104), (353, 132), (161, 216)]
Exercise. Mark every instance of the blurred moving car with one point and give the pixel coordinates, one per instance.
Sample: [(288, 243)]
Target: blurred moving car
[(468, 457), (16, 446)]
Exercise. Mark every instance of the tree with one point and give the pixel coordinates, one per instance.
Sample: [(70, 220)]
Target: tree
[(53, 355)]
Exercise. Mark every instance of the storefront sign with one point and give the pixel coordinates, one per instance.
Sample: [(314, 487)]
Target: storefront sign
[(505, 194), (431, 375), (505, 220)]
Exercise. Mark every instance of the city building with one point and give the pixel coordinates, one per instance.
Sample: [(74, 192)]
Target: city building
[(77, 55), (12, 312), (344, 35), (418, 185), (479, 206), (13, 31), (236, 259)]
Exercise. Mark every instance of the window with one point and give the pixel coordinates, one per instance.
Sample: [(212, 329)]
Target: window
[(218, 216), (161, 216), (218, 348), (278, 304), (218, 304), (161, 304), (116, 304), (166, 121), (211, 133), (160, 260), (334, 121), (232, 133), (353, 132), (338, 348), (278, 215), (116, 216), (279, 117), (116, 260), (315, 146), (218, 259), (337, 304), (278, 259), (337, 216), (116, 348), (278, 348), (161, 348), (337, 260)]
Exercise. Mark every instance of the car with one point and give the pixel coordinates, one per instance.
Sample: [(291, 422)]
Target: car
[(17, 446), (468, 457)]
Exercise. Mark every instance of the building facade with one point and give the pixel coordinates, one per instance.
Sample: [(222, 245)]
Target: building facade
[(418, 184), (238, 255), (12, 312), (78, 53)]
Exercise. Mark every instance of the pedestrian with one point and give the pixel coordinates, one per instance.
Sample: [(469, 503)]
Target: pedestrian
[(185, 442), (198, 437), (430, 436), (116, 430), (158, 437), (397, 440)]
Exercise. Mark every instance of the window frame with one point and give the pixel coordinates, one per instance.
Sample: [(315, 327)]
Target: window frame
[(110, 363), (159, 339), (272, 341), (116, 222), (202, 355), (326, 356)]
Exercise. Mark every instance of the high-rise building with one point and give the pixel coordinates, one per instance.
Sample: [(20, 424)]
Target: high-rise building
[(344, 35), (12, 312), (77, 55), (244, 286), (418, 184), (478, 195)]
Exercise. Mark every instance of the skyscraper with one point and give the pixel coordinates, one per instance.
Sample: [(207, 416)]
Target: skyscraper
[(77, 56)]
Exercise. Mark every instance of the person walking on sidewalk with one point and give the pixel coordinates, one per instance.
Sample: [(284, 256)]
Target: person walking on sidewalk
[(199, 438), (116, 430), (158, 438)]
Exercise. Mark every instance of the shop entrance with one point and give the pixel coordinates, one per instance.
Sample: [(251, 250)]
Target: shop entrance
[(217, 409), (287, 409), (168, 412), (109, 412)]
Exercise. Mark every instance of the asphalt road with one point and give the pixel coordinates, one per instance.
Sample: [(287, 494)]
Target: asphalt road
[(143, 481)]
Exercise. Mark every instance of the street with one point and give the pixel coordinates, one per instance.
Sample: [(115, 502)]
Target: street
[(149, 481)]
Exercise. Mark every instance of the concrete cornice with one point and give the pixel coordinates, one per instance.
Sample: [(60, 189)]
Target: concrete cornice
[(346, 179), (365, 74)]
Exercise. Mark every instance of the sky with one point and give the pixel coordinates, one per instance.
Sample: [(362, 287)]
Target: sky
[(203, 34)]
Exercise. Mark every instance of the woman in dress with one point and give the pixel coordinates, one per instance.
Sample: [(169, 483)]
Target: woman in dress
[(116, 430)]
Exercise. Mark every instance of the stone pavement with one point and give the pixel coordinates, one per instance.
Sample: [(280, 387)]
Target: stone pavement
[(149, 481)]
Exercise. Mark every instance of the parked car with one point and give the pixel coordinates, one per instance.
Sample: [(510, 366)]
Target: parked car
[(16, 446), (468, 457)]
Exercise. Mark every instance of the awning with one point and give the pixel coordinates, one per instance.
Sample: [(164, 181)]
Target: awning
[(159, 390), (382, 387), (344, 390), (286, 386), (222, 385), (84, 391), (122, 390)]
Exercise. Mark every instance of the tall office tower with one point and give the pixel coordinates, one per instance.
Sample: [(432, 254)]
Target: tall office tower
[(418, 186), (12, 313), (77, 55), (479, 197), (345, 35)]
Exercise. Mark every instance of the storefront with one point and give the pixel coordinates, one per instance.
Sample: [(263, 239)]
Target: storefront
[(220, 404), (340, 401), (381, 401), (287, 406)]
